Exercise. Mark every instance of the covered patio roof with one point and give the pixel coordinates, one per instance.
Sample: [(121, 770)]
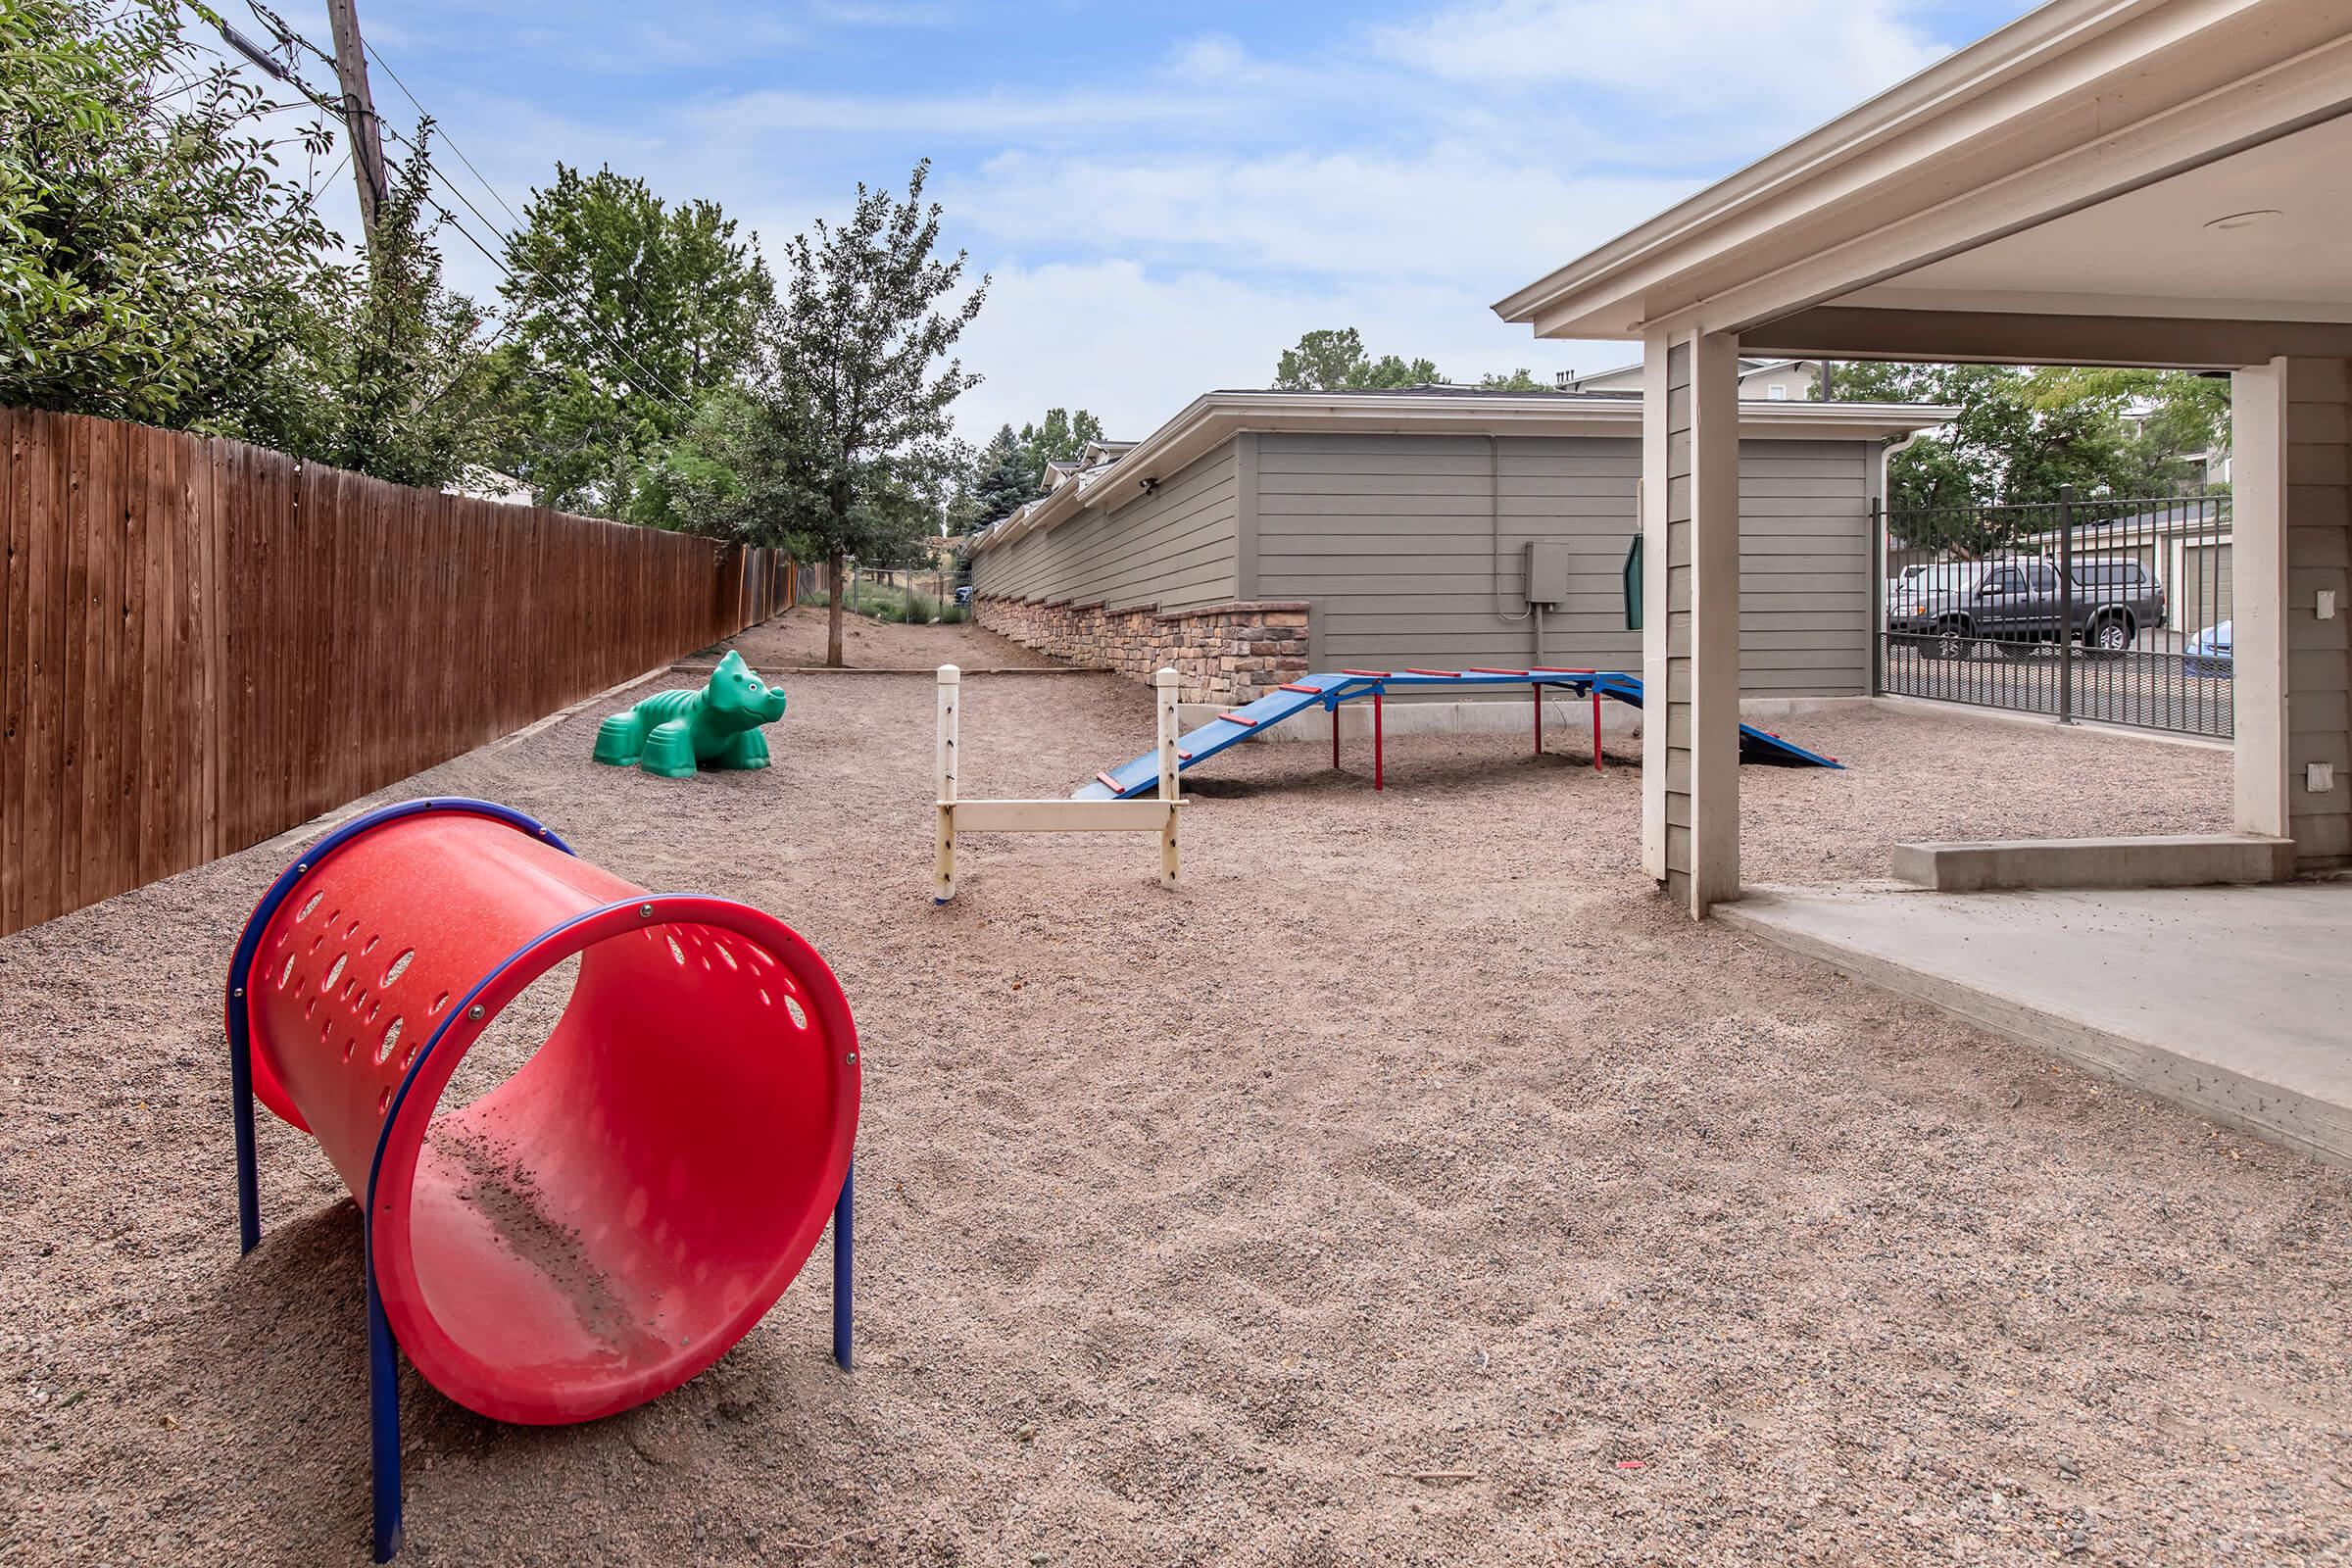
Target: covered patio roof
[(2138, 183), (2161, 182)]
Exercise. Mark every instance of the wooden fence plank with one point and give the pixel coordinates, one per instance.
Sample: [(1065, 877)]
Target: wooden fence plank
[(45, 617), (132, 715), (16, 683), (73, 661), (203, 642)]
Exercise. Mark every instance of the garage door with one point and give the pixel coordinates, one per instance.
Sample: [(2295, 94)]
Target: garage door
[(2203, 596)]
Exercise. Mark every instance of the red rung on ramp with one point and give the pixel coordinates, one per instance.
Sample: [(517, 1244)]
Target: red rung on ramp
[(1110, 784), (1238, 719), (612, 1217), (1376, 674), (1295, 686), (1445, 672)]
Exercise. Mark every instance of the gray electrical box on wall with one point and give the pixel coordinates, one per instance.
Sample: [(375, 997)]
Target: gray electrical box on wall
[(1547, 572)]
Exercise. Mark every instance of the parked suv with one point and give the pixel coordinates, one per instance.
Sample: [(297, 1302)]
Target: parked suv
[(2015, 604)]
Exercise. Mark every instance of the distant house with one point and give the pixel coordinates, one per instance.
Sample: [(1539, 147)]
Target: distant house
[(1260, 534), (489, 484), (1760, 381), (1094, 455), (2212, 463), (2186, 545)]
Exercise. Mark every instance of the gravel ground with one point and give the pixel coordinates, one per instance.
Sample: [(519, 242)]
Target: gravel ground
[(1412, 1188)]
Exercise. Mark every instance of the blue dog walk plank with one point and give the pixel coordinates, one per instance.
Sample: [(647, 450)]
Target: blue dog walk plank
[(1141, 775), (1755, 745)]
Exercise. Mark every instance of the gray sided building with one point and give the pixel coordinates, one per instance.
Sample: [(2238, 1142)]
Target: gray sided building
[(1259, 535)]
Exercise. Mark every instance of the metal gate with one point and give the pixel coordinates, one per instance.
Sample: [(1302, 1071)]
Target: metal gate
[(2116, 610)]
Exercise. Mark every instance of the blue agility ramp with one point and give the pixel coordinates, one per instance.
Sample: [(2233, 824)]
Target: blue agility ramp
[(1328, 692)]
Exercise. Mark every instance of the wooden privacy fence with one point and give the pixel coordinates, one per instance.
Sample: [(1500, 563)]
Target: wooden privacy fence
[(203, 643)]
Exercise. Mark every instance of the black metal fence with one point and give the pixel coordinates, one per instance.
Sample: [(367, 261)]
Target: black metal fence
[(2110, 609)]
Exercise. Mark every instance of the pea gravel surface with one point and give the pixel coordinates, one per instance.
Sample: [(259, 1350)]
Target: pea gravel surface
[(1411, 1187)]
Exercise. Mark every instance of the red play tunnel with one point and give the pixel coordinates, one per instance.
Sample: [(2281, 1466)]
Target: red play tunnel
[(604, 1224)]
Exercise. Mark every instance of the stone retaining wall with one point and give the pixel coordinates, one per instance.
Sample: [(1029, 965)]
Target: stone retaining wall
[(1229, 653)]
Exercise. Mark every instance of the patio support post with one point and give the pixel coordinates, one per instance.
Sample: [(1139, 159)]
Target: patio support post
[(2259, 422), (1690, 631), (1650, 498)]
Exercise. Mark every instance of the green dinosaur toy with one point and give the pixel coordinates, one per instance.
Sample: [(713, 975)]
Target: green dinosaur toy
[(671, 732)]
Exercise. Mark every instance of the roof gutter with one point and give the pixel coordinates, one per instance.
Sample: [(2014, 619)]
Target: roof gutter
[(1214, 417)]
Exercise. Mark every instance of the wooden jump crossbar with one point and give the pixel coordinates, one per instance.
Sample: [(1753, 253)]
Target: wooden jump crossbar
[(1143, 815)]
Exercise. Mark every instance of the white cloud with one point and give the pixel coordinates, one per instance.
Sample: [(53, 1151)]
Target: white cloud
[(987, 117), (1165, 217), (1135, 346), (1211, 57), (1793, 61), (1458, 211)]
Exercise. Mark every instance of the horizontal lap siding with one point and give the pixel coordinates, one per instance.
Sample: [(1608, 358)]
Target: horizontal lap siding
[(1804, 569), (1389, 537), (1175, 549)]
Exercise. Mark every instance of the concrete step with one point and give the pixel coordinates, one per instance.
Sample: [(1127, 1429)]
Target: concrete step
[(2162, 861)]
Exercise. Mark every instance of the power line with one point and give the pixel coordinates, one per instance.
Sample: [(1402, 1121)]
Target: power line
[(379, 56), (332, 173), (288, 35)]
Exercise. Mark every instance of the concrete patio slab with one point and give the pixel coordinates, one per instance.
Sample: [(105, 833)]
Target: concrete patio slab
[(2234, 1003)]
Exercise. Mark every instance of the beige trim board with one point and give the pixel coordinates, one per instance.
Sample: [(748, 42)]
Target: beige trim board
[(2078, 101), (2026, 337)]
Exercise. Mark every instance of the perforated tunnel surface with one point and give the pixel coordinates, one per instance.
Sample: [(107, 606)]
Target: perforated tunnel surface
[(605, 1222)]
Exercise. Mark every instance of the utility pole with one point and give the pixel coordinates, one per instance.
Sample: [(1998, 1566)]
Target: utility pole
[(359, 115)]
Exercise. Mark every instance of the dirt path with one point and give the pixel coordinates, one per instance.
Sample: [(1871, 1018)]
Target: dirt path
[(797, 640), (1412, 1188)]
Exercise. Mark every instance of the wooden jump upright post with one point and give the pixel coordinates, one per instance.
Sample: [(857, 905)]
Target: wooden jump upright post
[(1151, 814)]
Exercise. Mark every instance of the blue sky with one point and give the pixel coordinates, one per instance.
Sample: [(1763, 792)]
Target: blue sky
[(1165, 196)]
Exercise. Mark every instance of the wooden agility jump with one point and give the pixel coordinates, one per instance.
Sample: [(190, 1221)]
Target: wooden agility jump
[(1145, 815)]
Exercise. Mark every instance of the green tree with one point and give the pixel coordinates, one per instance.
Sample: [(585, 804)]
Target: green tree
[(1521, 379), (154, 266), (1000, 478), (407, 382), (2173, 419), (850, 434), (741, 470), (1333, 360), (624, 313), (2008, 445), (1059, 437)]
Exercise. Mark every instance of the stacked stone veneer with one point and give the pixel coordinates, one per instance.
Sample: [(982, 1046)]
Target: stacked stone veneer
[(1230, 653)]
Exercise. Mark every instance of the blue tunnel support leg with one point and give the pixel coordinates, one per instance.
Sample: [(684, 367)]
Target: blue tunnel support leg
[(383, 1421), (249, 1180), (844, 1222)]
